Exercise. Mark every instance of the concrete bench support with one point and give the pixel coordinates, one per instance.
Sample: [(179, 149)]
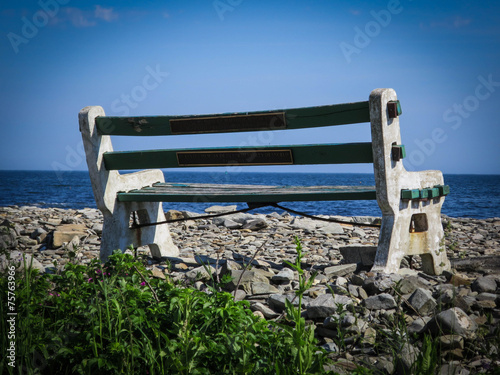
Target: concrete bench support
[(117, 233), (409, 227)]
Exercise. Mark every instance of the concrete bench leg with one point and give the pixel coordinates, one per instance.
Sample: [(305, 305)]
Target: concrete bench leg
[(434, 259), (397, 240), (392, 245), (117, 233)]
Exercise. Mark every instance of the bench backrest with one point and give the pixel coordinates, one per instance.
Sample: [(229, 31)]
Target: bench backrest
[(340, 114), (385, 150)]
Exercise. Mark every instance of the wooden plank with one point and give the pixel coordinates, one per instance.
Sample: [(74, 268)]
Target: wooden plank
[(231, 123), (168, 192), (301, 154), (297, 118), (234, 157), (443, 190), (410, 194)]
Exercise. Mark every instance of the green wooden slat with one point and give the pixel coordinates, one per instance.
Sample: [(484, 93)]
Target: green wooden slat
[(443, 189), (302, 154), (433, 192), (297, 118), (424, 194), (233, 193), (410, 194)]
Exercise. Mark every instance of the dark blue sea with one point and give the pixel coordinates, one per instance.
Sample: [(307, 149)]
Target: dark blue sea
[(474, 196)]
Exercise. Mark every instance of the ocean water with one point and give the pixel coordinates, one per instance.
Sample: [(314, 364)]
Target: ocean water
[(474, 196)]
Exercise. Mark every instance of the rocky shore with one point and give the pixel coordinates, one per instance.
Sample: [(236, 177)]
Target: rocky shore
[(357, 313)]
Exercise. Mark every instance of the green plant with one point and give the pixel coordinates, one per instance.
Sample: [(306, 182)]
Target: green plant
[(428, 359), (115, 318), (305, 355)]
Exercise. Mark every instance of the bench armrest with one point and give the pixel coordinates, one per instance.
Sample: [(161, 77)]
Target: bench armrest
[(137, 180)]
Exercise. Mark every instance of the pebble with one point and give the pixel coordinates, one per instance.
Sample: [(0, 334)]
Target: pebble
[(455, 308)]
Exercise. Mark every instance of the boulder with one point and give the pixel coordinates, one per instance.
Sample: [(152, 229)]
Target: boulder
[(66, 232), (255, 224), (381, 301), (422, 301), (362, 255), (277, 301), (7, 236), (484, 285), (340, 270), (174, 215), (453, 321), (200, 273), (286, 275), (325, 305), (19, 259)]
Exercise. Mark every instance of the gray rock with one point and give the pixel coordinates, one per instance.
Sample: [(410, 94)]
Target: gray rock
[(173, 215), (406, 357), (26, 241), (418, 325), (7, 236), (453, 321), (379, 285), (19, 259), (285, 275), (330, 228), (488, 297), (381, 301), (255, 224), (330, 347), (484, 285), (266, 311), (220, 209), (340, 270), (277, 301), (97, 228), (453, 369), (200, 273), (361, 254), (410, 283), (228, 266), (259, 287), (422, 301), (325, 305), (230, 224), (241, 217), (307, 225), (247, 279), (37, 233), (358, 232), (450, 342), (191, 215)]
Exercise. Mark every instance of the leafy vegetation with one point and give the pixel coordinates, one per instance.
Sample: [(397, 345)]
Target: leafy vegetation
[(115, 318)]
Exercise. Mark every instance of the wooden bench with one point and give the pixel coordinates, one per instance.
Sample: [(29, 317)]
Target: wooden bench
[(410, 201)]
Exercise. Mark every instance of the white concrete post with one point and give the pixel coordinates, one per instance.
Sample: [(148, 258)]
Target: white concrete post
[(396, 240), (117, 233)]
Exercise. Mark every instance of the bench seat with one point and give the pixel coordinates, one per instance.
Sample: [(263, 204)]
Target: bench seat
[(192, 192)]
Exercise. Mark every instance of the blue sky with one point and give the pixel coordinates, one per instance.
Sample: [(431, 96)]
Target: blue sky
[(205, 56)]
